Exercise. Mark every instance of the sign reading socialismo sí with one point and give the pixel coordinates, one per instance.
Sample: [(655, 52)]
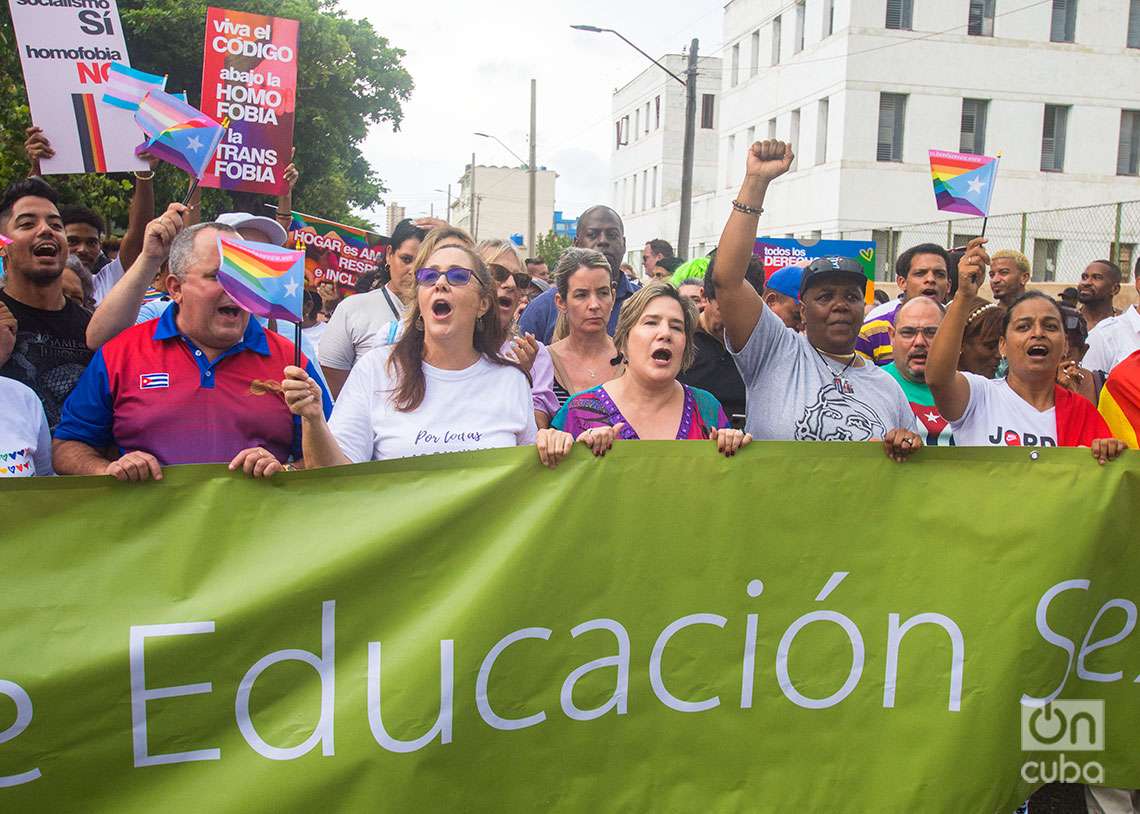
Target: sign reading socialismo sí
[(446, 639)]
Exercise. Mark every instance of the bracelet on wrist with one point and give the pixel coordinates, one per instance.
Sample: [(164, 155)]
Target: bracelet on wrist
[(746, 209), (144, 176)]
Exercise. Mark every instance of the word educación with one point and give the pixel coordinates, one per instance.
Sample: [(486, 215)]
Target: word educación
[(323, 664)]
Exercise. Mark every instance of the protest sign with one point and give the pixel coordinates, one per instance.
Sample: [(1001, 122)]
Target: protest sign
[(66, 50), (777, 252), (335, 253), (249, 77), (455, 644)]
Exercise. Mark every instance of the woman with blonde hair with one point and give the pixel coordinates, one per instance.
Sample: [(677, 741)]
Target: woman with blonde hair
[(443, 387)]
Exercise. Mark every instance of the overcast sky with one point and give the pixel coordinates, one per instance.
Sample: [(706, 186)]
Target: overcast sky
[(472, 64)]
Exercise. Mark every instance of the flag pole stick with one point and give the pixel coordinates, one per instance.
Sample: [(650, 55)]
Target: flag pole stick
[(190, 192), (984, 221), (297, 363)]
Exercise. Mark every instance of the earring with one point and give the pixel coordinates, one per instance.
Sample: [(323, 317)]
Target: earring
[(419, 324)]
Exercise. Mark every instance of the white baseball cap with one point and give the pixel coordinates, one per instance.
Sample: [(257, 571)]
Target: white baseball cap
[(273, 230)]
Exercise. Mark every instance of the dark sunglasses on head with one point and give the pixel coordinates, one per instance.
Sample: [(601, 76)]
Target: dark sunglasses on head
[(456, 275), (500, 274)]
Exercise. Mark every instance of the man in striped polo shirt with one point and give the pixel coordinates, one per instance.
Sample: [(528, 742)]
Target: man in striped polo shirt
[(921, 271)]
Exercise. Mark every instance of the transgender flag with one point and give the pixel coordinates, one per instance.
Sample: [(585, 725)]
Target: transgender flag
[(126, 87), (177, 133), (963, 182), (264, 279)]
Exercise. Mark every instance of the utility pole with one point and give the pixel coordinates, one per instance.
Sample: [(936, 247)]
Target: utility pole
[(531, 173), (474, 230), (448, 218), (689, 149)]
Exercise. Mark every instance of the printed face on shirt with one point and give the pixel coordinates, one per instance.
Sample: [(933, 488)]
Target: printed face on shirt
[(39, 244), (589, 300), (916, 324), (206, 314), (832, 315), (450, 310), (927, 278), (1007, 281), (656, 344), (1035, 341), (85, 242), (400, 262)]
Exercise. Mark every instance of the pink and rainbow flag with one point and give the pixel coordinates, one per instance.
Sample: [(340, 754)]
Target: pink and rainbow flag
[(963, 182), (264, 279), (126, 86), (177, 133), (5, 240)]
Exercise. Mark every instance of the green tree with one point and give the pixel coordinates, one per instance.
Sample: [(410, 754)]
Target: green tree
[(550, 247), (348, 77)]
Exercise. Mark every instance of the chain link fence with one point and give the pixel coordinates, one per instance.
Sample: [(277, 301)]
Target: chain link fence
[(1058, 242)]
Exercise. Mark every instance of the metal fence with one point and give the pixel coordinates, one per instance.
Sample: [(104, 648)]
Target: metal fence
[(1058, 242)]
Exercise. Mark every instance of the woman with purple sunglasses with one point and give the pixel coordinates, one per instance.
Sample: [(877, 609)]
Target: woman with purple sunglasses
[(443, 387)]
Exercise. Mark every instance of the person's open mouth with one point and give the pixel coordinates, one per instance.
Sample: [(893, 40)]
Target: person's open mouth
[(1037, 351), (663, 355), (47, 249), (441, 309), (230, 311)]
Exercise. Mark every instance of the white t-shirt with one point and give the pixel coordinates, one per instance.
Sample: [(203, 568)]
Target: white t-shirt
[(483, 406), (25, 443), (998, 417), (106, 278), (313, 334), (1112, 341), (354, 327)]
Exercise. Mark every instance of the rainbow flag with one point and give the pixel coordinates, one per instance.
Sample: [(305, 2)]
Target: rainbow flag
[(264, 279), (1120, 401), (126, 87), (963, 182), (177, 133)]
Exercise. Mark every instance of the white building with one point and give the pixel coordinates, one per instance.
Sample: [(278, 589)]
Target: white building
[(395, 215), (648, 147), (863, 88), (501, 202)]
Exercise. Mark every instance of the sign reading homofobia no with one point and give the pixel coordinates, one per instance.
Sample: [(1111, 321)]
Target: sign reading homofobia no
[(476, 654), (249, 77), (66, 50)]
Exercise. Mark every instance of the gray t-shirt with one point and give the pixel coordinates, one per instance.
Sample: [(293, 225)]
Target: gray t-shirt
[(792, 393)]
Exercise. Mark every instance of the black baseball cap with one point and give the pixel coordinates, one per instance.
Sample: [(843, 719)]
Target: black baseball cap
[(830, 267)]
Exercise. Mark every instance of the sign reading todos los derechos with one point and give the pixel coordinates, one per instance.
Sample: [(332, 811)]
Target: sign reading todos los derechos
[(249, 76), (66, 50)]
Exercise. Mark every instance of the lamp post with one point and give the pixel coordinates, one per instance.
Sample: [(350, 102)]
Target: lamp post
[(531, 170), (690, 84), (448, 218)]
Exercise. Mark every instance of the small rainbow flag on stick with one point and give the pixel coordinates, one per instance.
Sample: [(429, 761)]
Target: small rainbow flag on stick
[(177, 133), (126, 86), (264, 279), (963, 182)]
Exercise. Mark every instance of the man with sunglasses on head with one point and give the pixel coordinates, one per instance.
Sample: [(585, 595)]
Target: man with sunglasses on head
[(599, 228), (915, 326)]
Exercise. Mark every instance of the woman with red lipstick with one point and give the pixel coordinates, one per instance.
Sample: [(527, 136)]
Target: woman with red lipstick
[(443, 387), (1028, 407)]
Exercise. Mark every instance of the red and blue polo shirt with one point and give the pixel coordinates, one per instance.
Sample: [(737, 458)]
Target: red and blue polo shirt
[(151, 389)]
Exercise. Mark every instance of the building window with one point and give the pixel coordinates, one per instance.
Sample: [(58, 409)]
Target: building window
[(1053, 138), (798, 45), (821, 132), (707, 102), (1134, 24), (771, 129), (734, 77), (617, 134), (633, 197), (653, 189), (730, 163), (647, 117), (1128, 154), (973, 137), (892, 114), (644, 189), (777, 28), (657, 113), (751, 136), (794, 139), (1045, 254), (828, 18), (1064, 21), (637, 124), (981, 20), (754, 56), (900, 14)]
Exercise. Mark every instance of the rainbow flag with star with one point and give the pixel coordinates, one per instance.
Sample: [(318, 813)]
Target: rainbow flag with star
[(266, 280), (1120, 401), (176, 132), (963, 182)]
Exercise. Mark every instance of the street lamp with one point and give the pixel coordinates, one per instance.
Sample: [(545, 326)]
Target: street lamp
[(448, 218), (690, 83), (531, 170)]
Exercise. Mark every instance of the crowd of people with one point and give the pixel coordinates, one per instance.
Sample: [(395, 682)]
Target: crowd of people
[(123, 365)]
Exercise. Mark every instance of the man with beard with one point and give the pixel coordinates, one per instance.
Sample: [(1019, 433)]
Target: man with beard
[(50, 351), (921, 271), (916, 325), (599, 228), (809, 386), (1100, 282)]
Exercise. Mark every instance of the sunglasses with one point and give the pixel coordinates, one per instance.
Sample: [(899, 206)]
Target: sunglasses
[(500, 274), (456, 275)]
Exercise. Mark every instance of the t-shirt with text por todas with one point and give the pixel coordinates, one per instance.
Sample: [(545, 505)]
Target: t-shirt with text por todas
[(997, 417), (483, 406), (795, 394)]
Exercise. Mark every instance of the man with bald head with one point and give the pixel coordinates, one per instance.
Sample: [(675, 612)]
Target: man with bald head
[(599, 228), (916, 324)]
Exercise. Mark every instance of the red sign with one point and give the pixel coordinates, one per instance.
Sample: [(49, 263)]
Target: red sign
[(249, 77)]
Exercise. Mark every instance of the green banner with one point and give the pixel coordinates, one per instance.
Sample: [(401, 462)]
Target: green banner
[(804, 627)]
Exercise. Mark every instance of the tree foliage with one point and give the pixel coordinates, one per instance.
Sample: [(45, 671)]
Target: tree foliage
[(550, 247), (348, 78)]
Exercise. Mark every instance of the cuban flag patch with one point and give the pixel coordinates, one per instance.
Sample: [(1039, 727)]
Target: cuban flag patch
[(154, 381)]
